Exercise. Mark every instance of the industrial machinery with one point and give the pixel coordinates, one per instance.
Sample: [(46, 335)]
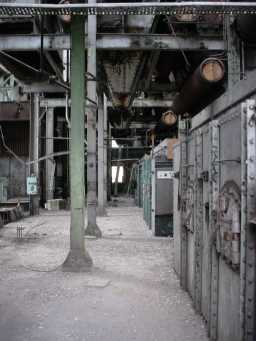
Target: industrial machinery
[(162, 197), (157, 183)]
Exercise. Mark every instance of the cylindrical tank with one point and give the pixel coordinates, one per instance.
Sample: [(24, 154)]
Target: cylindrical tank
[(201, 88), (246, 27)]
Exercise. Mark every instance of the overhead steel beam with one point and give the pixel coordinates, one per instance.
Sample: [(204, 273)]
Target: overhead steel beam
[(42, 87), (143, 8), (54, 103), (115, 41), (137, 103), (135, 125), (149, 103)]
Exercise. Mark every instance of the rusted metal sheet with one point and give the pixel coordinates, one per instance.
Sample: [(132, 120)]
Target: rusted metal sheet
[(14, 111), (16, 138), (226, 278)]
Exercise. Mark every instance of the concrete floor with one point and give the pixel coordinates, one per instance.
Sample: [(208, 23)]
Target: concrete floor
[(131, 294)]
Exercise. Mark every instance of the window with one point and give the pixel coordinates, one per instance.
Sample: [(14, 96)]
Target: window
[(120, 176)]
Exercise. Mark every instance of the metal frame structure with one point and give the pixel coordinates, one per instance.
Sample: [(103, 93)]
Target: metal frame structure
[(143, 8), (111, 41)]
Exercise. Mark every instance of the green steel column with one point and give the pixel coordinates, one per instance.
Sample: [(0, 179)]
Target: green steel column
[(78, 259), (92, 227)]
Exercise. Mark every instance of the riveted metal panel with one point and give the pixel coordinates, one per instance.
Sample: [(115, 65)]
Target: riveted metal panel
[(214, 179), (176, 208), (205, 249), (230, 146), (190, 214), (250, 242), (228, 307), (243, 217), (198, 219), (230, 171), (191, 263), (183, 191)]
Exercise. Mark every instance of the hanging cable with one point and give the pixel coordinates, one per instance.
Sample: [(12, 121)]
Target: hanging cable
[(8, 149), (175, 35)]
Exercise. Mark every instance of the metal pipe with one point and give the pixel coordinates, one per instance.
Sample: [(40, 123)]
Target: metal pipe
[(54, 138), (66, 110), (124, 138), (123, 160), (129, 147), (201, 88)]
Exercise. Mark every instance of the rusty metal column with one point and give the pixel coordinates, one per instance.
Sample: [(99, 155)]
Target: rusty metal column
[(92, 227), (101, 169), (49, 164), (78, 259)]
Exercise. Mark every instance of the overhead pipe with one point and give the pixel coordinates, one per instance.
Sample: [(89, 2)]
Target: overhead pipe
[(201, 88)]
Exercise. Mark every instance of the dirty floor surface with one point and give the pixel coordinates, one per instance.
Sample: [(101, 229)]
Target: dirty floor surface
[(131, 294)]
